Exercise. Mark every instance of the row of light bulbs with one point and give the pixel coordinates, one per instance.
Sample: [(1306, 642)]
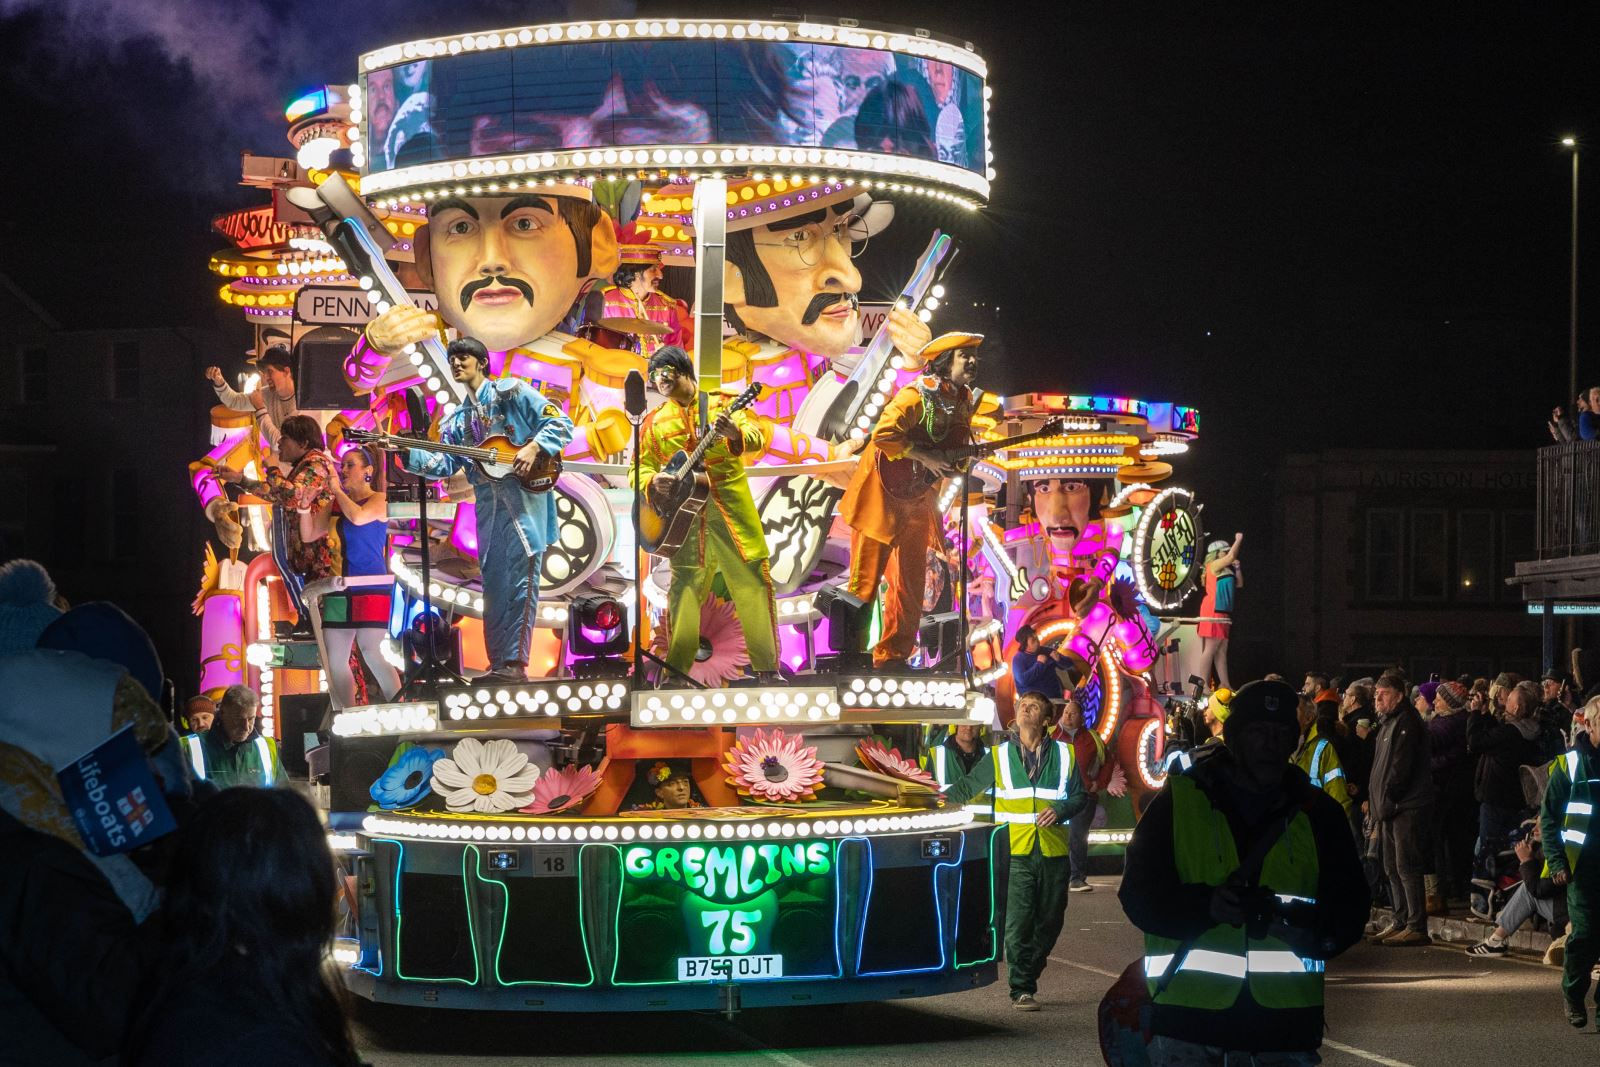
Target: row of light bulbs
[(817, 704), (635, 829), (719, 29)]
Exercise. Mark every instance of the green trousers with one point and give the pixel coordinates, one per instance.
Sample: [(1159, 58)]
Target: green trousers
[(1583, 943), (749, 586), (1036, 906)]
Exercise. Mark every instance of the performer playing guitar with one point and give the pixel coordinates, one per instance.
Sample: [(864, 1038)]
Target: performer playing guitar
[(514, 525), (926, 421), (726, 538)]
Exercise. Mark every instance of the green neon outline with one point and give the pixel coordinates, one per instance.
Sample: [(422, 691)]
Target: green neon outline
[(399, 919), (505, 915), (994, 938), (838, 905)]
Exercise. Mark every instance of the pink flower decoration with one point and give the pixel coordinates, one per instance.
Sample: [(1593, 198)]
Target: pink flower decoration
[(720, 630), (777, 767), (562, 790), (889, 761)]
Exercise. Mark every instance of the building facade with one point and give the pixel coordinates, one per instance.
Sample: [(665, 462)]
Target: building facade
[(96, 429), (1404, 558)]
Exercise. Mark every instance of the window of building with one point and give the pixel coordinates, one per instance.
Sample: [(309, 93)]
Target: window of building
[(1385, 540), (1430, 560), (35, 385), (124, 512), (1475, 569), (125, 370)]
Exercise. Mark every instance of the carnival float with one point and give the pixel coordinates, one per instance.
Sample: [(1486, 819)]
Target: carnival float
[(600, 830)]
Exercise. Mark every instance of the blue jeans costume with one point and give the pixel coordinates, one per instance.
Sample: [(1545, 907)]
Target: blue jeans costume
[(514, 525)]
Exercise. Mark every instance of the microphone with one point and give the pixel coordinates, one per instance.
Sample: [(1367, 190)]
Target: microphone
[(634, 397)]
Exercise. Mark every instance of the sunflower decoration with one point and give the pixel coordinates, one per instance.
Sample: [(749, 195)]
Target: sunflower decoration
[(875, 756), (722, 656), (562, 790), (775, 767), (485, 776)]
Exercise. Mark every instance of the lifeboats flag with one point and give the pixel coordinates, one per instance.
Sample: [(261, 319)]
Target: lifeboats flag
[(114, 796)]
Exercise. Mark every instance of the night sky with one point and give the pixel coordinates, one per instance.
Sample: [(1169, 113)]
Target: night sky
[(1346, 228)]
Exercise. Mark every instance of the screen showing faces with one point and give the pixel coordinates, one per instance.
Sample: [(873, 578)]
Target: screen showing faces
[(673, 92)]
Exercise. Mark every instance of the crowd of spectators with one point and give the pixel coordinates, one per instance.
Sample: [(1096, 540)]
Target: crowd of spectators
[(208, 944)]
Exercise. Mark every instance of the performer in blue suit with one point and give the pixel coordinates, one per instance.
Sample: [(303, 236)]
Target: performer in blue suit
[(514, 525)]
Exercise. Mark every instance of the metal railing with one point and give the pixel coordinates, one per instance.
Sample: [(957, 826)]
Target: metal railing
[(1569, 499)]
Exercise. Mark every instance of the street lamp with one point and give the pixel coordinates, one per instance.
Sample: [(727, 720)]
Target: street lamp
[(1572, 317)]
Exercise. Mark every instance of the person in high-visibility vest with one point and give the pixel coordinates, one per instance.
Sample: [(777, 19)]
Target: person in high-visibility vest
[(234, 752), (1245, 880), (953, 759), (1318, 758), (1037, 791), (1566, 828)]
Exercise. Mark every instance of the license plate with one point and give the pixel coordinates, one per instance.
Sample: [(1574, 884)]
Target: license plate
[(728, 968)]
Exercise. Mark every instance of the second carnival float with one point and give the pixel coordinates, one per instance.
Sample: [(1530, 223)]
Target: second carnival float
[(582, 747)]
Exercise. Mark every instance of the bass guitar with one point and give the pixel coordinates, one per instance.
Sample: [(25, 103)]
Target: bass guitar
[(494, 457), (907, 479), (665, 518)]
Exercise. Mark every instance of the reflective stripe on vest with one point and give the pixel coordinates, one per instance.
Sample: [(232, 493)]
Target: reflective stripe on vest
[(980, 807), (1017, 801), (1222, 959), (1575, 818), (196, 748), (264, 754), (1316, 761)]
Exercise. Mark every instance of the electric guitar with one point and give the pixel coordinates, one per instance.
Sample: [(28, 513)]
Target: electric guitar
[(907, 479), (494, 457), (665, 519)]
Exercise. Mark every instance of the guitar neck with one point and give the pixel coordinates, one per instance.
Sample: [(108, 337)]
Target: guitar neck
[(486, 454), (992, 447)]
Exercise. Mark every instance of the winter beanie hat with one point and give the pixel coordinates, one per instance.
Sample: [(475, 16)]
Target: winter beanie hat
[(27, 605)]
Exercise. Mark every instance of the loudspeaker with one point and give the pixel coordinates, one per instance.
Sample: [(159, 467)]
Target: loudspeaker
[(319, 382)]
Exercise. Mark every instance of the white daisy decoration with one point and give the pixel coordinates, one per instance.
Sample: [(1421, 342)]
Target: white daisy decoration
[(485, 776)]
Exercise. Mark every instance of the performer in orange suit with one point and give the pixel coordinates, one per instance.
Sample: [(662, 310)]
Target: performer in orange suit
[(894, 519)]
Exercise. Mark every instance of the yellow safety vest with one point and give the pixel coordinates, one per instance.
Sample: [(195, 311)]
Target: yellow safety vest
[(946, 770), (1579, 811), (1220, 961), (1320, 760), (1018, 801)]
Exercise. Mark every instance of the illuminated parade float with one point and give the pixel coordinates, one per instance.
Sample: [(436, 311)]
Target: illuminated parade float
[(732, 803)]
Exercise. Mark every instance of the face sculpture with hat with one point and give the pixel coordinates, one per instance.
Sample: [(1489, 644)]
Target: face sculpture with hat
[(662, 785), (790, 274), (507, 269)]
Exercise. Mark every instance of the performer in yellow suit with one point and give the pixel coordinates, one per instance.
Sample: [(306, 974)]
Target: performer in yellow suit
[(726, 540)]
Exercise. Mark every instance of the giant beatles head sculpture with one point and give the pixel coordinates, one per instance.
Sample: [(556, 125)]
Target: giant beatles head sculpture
[(508, 268), (790, 274), (1061, 507)]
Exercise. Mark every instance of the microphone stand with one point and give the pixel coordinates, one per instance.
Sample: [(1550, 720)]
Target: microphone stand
[(428, 675)]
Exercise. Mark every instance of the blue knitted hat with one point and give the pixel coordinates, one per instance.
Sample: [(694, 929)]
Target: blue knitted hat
[(27, 605)]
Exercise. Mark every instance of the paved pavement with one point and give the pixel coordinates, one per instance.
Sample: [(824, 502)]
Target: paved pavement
[(1391, 1007)]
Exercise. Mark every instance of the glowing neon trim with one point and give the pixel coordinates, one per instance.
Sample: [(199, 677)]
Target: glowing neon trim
[(1145, 748), (994, 934), (505, 917), (399, 920), (836, 849), (938, 912), (1141, 535)]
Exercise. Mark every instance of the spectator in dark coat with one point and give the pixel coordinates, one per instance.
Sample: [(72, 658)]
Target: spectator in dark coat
[(1400, 797), (69, 967), (1456, 811), (1502, 748)]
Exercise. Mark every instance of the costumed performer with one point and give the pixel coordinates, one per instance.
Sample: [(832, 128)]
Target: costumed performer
[(1223, 578), (273, 401), (635, 293), (726, 539), (514, 525), (892, 520), (359, 617)]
